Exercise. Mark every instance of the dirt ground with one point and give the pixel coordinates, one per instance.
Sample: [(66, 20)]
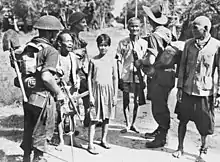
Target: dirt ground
[(126, 147)]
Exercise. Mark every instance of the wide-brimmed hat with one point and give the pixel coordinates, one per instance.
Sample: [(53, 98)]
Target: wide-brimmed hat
[(155, 14), (76, 17)]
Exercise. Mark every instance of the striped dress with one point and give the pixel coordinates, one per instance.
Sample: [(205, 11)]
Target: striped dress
[(102, 88)]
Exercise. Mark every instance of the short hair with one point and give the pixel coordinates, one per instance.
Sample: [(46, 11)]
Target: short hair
[(131, 20), (103, 38), (203, 21), (60, 38)]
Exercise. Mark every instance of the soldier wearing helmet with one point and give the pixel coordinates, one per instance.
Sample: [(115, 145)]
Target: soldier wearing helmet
[(39, 111)]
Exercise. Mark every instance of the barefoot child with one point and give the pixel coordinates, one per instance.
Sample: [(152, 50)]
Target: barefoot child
[(103, 87)]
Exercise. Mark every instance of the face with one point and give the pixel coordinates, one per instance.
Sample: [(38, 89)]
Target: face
[(134, 27), (66, 45), (81, 25), (103, 48), (198, 31), (53, 35)]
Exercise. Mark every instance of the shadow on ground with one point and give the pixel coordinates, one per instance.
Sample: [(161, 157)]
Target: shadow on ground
[(11, 127), (9, 158)]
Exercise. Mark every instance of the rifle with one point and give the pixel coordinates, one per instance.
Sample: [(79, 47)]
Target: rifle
[(141, 94), (72, 102), (11, 42)]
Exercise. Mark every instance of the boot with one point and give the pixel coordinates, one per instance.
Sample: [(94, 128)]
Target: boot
[(152, 134), (26, 158), (39, 156), (159, 141)]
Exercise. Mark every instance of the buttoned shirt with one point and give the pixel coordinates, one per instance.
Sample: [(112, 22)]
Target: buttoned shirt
[(125, 55), (197, 67)]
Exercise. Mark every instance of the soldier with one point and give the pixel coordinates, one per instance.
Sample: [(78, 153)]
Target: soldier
[(162, 78), (78, 24), (129, 80), (41, 88)]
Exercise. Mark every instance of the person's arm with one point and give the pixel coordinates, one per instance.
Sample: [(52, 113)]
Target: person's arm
[(120, 59), (153, 49), (48, 71), (217, 64), (182, 67), (90, 73), (115, 82), (181, 73)]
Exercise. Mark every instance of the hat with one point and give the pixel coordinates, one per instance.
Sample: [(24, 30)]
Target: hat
[(155, 14), (76, 17)]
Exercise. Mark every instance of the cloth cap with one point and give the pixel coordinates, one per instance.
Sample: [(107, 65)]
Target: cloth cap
[(203, 21), (155, 14), (76, 17)]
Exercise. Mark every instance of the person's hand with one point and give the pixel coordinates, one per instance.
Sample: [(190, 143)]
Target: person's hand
[(217, 101), (80, 52), (61, 96), (77, 84), (179, 95), (91, 101), (138, 63), (114, 100)]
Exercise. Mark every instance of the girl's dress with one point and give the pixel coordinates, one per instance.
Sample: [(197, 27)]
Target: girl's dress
[(102, 88)]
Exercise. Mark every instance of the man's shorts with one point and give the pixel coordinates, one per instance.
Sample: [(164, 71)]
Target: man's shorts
[(198, 109)]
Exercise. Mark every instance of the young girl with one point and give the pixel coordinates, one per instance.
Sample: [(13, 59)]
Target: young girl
[(103, 88)]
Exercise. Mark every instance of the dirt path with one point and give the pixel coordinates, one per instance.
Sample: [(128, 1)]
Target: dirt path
[(125, 147)]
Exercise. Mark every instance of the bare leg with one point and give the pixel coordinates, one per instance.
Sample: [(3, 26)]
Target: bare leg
[(104, 143), (91, 147), (60, 131), (104, 130), (126, 110), (203, 149), (135, 111), (181, 135)]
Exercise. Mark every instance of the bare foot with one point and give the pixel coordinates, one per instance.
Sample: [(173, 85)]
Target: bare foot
[(59, 147), (199, 159), (178, 153)]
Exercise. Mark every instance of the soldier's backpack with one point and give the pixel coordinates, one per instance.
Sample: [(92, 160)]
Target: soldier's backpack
[(27, 61)]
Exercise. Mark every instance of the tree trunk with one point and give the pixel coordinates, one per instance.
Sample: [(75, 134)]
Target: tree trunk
[(25, 27)]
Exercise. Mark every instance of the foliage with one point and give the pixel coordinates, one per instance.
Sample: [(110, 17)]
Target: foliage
[(209, 8)]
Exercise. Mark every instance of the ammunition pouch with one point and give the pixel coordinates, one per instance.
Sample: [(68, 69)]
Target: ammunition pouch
[(39, 98)]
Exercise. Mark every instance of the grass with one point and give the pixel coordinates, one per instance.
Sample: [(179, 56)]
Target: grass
[(10, 94)]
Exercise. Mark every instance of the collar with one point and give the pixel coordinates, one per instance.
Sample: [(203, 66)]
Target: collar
[(201, 43)]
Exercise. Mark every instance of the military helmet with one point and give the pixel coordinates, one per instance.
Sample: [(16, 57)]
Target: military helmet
[(48, 22)]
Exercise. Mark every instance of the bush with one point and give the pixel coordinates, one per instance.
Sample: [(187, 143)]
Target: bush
[(10, 93)]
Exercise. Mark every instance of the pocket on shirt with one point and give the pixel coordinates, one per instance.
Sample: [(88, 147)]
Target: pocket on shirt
[(207, 83)]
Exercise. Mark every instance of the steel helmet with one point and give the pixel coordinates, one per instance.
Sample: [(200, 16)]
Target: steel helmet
[(48, 22)]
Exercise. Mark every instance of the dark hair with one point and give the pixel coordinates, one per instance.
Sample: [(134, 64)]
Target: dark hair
[(60, 38), (103, 38)]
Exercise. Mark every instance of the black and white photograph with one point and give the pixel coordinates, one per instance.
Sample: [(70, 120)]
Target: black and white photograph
[(109, 80)]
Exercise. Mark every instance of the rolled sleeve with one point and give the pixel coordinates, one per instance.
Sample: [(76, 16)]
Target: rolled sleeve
[(51, 56)]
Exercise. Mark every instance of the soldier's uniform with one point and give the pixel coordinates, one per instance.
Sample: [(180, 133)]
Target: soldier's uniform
[(39, 57)]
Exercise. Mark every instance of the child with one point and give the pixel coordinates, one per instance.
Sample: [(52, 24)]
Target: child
[(103, 88)]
